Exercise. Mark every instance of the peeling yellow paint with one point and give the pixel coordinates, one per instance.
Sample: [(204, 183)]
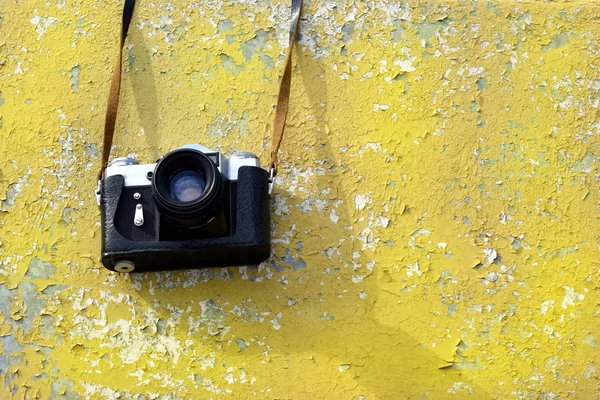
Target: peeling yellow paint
[(436, 216)]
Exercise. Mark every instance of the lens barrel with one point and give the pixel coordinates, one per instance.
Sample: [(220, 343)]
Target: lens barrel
[(192, 171)]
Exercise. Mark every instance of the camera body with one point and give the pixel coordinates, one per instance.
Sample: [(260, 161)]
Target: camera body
[(193, 208)]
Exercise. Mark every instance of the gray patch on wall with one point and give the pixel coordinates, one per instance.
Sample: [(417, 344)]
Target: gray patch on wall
[(75, 78)]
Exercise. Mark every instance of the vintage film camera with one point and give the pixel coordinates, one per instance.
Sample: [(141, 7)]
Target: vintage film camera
[(193, 208)]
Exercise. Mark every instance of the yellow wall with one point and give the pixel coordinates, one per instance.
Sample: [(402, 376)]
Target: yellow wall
[(436, 218)]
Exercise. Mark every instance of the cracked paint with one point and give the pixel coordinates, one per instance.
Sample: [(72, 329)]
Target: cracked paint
[(435, 219)]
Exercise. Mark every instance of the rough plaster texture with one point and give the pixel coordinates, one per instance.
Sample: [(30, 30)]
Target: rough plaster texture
[(436, 217)]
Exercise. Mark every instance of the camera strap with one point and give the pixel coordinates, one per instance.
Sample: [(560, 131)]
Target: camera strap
[(282, 100)]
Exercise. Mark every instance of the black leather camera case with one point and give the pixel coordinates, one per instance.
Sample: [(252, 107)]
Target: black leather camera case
[(249, 242)]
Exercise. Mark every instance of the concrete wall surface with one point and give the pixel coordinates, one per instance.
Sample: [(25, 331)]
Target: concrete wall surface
[(435, 226)]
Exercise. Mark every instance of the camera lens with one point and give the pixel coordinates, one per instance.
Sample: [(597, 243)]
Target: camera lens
[(188, 188)]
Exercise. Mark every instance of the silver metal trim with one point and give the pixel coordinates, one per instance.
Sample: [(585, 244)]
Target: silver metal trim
[(136, 175), (271, 180), (138, 218), (238, 160), (99, 192), (123, 161)]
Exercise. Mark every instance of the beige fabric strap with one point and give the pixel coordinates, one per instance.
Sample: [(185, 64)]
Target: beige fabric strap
[(282, 101), (115, 90)]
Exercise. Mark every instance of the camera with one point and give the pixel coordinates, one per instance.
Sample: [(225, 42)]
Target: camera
[(194, 207)]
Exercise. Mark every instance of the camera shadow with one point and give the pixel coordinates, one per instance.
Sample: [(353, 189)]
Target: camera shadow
[(139, 62), (384, 359)]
